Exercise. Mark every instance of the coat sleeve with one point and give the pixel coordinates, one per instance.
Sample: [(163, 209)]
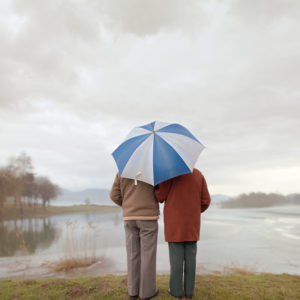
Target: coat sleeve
[(115, 192), (163, 190), (205, 196)]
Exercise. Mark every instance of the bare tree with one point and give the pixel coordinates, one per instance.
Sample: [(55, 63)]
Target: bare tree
[(35, 192), (19, 167), (5, 178), (46, 190), (28, 188), (19, 182)]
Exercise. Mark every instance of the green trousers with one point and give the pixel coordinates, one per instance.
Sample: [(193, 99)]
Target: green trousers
[(182, 261)]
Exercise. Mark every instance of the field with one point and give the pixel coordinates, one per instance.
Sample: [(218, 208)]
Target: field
[(236, 286)]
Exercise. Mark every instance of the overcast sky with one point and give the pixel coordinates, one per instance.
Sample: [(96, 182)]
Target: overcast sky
[(77, 75)]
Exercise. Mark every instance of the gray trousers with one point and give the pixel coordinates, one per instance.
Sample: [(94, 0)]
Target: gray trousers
[(141, 246), (182, 260)]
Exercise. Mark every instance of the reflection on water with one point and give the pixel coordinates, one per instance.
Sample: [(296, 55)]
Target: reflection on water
[(25, 236), (265, 240)]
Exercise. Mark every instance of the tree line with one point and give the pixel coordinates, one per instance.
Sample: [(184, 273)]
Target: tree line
[(20, 185), (261, 200)]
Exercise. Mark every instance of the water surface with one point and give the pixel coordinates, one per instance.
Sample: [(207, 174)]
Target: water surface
[(262, 240)]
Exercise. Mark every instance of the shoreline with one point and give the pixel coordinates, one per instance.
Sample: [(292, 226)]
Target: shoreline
[(105, 266), (12, 213)]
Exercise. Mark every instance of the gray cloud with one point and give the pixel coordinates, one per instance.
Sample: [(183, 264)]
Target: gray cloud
[(77, 75), (142, 17), (266, 11)]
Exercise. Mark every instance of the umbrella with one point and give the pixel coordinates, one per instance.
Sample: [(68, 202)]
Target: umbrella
[(157, 152)]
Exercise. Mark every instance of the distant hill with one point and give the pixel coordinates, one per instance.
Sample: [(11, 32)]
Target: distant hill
[(94, 196), (218, 199), (101, 197)]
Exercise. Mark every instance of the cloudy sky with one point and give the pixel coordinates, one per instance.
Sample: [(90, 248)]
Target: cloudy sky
[(77, 75)]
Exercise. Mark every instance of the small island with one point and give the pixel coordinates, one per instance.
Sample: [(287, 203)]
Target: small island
[(259, 200)]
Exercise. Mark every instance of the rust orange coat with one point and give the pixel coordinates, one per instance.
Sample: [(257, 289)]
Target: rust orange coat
[(185, 197)]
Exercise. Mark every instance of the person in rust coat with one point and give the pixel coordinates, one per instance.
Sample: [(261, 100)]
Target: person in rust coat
[(185, 197)]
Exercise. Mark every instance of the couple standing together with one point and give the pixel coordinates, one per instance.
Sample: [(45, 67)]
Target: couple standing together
[(185, 197)]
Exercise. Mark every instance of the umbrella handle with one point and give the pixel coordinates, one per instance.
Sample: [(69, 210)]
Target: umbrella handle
[(139, 173)]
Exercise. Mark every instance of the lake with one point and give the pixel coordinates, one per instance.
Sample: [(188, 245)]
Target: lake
[(260, 240)]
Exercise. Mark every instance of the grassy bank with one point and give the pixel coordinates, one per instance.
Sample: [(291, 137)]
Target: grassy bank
[(11, 213), (231, 287)]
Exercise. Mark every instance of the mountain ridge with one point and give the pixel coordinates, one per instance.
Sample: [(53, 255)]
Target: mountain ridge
[(101, 197)]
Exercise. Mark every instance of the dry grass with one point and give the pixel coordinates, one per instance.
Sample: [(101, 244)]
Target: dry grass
[(243, 270), (79, 250), (65, 265), (20, 237)]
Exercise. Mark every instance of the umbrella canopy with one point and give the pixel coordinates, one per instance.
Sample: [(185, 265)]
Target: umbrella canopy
[(157, 152)]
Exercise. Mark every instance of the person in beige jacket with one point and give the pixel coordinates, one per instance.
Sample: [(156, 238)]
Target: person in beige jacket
[(140, 214)]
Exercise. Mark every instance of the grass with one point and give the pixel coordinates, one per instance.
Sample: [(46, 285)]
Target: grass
[(11, 213), (236, 286)]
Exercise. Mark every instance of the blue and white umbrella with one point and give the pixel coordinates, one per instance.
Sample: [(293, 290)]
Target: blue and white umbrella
[(157, 152)]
